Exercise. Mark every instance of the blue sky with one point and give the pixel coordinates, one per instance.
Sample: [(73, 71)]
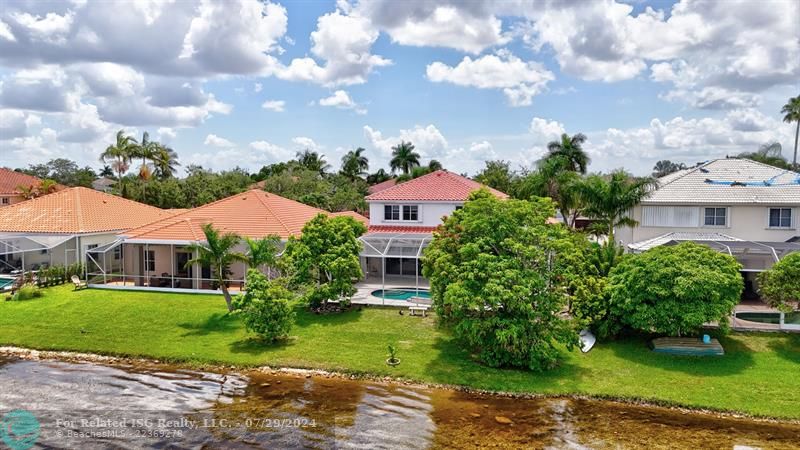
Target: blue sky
[(248, 83)]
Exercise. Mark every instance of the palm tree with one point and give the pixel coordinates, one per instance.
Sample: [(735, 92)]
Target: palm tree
[(379, 176), (570, 151), (666, 167), (769, 153), (106, 172), (609, 199), (312, 160), (552, 180), (218, 253), (404, 157), (47, 187), (262, 252), (27, 192), (792, 111), (165, 161), (355, 164), (119, 154)]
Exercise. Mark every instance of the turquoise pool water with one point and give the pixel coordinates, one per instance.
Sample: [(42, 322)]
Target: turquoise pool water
[(6, 282), (402, 294)]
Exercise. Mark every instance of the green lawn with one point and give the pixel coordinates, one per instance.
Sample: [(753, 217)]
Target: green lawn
[(759, 374)]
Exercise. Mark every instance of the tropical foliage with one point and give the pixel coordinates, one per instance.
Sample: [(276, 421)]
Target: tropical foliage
[(63, 171), (496, 271), (770, 153), (324, 259), (497, 174), (791, 112), (666, 167), (265, 307), (218, 252), (355, 164), (404, 158), (780, 285), (570, 151), (608, 199), (262, 252), (674, 290)]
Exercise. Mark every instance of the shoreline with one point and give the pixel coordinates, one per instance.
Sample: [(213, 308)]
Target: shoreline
[(30, 354)]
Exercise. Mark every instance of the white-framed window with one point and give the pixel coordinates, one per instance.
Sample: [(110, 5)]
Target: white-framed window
[(411, 212), (391, 212), (670, 216), (715, 217), (780, 217), (408, 213), (150, 260), (118, 252)]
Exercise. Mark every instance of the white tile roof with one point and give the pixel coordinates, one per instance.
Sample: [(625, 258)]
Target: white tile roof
[(728, 181), (680, 236)]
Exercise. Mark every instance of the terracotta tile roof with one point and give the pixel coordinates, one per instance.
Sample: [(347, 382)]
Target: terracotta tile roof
[(254, 213), (399, 229), (440, 185), (77, 210), (9, 180), (375, 188)]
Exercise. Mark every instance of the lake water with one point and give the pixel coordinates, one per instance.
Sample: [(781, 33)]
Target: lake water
[(88, 406)]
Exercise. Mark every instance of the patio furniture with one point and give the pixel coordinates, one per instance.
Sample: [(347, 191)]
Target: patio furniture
[(412, 310), (78, 283), (687, 346)]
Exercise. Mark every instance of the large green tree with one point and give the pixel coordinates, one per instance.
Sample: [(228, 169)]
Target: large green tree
[(780, 285), (498, 174), (674, 290), (608, 199), (770, 153), (313, 161), (324, 258), (218, 252), (497, 270), (404, 157), (553, 179), (666, 167), (791, 111)]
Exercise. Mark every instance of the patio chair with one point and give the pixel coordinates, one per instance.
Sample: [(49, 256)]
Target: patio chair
[(78, 283)]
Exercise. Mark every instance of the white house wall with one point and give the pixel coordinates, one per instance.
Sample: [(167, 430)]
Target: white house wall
[(749, 223), (430, 214)]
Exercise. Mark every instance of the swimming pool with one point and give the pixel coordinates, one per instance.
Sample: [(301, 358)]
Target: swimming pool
[(792, 318), (5, 282), (402, 293)]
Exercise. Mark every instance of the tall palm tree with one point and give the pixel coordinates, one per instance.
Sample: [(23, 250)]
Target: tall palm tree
[(552, 180), (570, 151), (165, 162), (119, 154), (312, 160), (218, 253), (609, 199), (404, 157), (106, 172), (792, 111), (355, 164)]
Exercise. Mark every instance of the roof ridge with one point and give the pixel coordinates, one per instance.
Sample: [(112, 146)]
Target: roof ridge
[(389, 189), (688, 171), (78, 209), (277, 216), (768, 166)]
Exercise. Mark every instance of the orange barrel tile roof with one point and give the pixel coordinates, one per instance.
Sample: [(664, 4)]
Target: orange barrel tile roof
[(77, 210), (254, 213), (375, 188), (10, 180), (440, 185)]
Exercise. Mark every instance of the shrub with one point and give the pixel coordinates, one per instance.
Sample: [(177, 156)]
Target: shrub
[(674, 290), (265, 307), (590, 302), (26, 292), (780, 285)]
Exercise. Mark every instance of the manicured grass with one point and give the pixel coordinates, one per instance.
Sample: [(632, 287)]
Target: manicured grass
[(758, 375)]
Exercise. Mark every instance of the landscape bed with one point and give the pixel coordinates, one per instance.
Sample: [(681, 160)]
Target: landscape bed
[(196, 329)]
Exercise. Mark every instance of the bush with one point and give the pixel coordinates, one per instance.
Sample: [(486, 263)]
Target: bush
[(590, 302), (780, 285), (265, 307), (26, 292), (674, 290)]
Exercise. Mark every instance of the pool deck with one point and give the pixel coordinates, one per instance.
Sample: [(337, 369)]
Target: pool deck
[(364, 289)]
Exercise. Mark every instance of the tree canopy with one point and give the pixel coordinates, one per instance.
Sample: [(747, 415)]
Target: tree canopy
[(265, 307), (666, 167), (780, 285), (496, 271), (674, 290), (325, 258)]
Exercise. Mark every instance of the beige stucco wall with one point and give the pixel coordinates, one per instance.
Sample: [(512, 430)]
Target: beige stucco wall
[(11, 199), (744, 222)]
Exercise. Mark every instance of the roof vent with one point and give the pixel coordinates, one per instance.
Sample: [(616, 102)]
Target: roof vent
[(738, 183), (704, 170)]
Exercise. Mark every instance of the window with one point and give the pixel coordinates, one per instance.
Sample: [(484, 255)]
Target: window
[(118, 252), (4, 201), (150, 260), (670, 216), (410, 212), (716, 217), (780, 217), (391, 212)]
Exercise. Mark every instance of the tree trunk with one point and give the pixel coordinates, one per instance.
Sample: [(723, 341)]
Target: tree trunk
[(227, 296)]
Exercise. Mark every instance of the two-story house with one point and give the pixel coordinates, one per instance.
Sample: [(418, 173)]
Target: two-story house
[(402, 219), (741, 207)]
